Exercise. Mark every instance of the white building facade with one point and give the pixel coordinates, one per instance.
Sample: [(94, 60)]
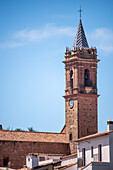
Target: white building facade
[(95, 152)]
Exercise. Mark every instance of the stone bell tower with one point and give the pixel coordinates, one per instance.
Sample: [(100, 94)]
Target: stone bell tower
[(81, 89)]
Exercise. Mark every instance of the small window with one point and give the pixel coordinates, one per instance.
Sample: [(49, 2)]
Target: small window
[(5, 162), (70, 136), (41, 158), (91, 151), (84, 156), (100, 153), (28, 159)]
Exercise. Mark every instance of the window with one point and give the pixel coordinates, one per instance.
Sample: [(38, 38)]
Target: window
[(100, 153), (86, 78), (83, 156), (91, 151), (70, 136), (5, 162), (87, 131), (41, 158), (28, 159), (71, 79)]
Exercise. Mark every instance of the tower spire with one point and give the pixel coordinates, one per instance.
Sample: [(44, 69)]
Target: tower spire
[(80, 39)]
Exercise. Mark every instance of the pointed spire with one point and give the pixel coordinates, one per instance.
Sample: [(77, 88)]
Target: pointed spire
[(80, 39)]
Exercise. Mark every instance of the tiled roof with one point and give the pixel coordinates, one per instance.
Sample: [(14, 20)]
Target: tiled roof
[(110, 120), (46, 164), (62, 167), (94, 136), (69, 156), (80, 39), (33, 136), (63, 128)]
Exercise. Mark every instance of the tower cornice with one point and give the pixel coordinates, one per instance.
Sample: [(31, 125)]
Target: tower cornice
[(80, 95), (82, 60)]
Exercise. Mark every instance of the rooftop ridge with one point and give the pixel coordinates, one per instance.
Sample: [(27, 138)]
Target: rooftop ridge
[(22, 131), (99, 134)]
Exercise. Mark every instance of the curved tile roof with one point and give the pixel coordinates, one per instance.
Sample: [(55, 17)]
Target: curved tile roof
[(33, 136)]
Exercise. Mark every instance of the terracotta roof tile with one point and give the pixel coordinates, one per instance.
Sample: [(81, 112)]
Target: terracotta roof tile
[(33, 136), (65, 166), (63, 128), (68, 156), (109, 120), (94, 135)]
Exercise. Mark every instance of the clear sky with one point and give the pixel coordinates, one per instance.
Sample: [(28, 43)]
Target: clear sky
[(33, 38)]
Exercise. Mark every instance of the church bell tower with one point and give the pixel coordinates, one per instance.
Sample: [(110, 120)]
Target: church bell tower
[(81, 89)]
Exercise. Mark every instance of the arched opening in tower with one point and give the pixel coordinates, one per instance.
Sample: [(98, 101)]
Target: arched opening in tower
[(86, 78), (71, 79)]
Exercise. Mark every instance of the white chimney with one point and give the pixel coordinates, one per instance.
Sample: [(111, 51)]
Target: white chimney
[(32, 160), (109, 125)]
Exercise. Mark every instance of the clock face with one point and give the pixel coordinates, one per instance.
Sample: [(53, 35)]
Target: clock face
[(71, 103)]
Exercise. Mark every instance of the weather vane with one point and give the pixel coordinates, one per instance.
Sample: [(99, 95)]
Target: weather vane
[(80, 12)]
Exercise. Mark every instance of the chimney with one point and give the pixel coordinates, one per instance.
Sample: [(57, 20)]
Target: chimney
[(0, 127), (109, 125)]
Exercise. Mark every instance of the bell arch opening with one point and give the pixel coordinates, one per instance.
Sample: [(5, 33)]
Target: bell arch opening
[(71, 79), (86, 78)]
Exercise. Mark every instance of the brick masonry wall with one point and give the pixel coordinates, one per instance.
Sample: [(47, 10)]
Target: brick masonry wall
[(72, 124), (17, 151), (81, 120), (87, 116)]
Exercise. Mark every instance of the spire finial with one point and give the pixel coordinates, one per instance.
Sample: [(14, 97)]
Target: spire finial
[(80, 12), (80, 39)]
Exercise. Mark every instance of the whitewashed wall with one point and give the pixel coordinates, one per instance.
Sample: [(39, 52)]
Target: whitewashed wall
[(104, 141), (31, 161), (69, 160), (74, 167)]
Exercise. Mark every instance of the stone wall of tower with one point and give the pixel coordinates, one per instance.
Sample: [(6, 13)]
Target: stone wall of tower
[(72, 124), (81, 120), (87, 121)]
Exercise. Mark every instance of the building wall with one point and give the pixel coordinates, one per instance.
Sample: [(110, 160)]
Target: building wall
[(111, 150), (104, 141), (69, 160), (87, 112), (72, 124), (73, 167), (16, 152), (98, 166), (32, 161), (47, 167)]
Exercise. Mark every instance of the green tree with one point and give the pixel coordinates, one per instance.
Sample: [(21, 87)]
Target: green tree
[(30, 129), (18, 129)]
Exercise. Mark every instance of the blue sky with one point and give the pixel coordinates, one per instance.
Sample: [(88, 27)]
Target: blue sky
[(33, 38)]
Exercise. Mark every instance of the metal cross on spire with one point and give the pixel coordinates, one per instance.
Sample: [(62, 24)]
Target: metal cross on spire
[(80, 12)]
